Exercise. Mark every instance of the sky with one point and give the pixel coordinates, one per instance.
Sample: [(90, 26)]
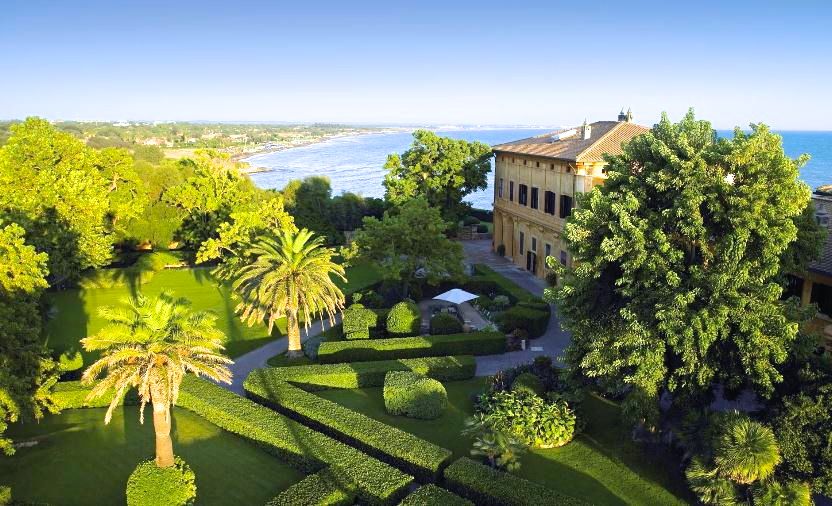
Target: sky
[(436, 63)]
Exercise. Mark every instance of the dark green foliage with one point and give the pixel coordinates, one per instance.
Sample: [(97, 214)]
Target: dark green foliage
[(488, 487), (73, 395), (776, 493), (482, 229), (532, 321), (411, 394), (431, 495), (482, 214), (534, 421), (470, 220), (357, 321), (675, 261), (150, 485), (70, 361), (529, 383), (298, 445), (404, 319), (444, 323), (417, 456), (803, 426), (473, 343), (366, 374), (324, 488), (5, 495)]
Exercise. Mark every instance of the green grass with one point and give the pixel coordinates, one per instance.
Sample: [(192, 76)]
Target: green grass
[(601, 466), (487, 273), (76, 311), (79, 460)]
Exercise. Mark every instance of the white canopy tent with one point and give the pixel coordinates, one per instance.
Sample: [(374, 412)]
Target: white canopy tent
[(456, 296)]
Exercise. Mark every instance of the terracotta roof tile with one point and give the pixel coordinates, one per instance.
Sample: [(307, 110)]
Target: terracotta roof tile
[(606, 137)]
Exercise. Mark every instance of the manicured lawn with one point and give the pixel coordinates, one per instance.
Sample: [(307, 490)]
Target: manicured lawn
[(76, 311), (601, 466), (79, 460)]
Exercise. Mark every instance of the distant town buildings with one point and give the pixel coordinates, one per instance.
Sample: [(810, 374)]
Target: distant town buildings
[(537, 179)]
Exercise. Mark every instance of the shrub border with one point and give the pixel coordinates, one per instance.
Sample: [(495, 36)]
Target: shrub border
[(473, 343)]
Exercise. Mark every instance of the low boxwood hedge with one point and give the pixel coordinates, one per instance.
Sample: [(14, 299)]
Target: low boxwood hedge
[(416, 456), (404, 319), (323, 488), (444, 323), (73, 395), (411, 394), (357, 321), (473, 343), (489, 487), (294, 443), (533, 321), (150, 485), (367, 374), (431, 495)]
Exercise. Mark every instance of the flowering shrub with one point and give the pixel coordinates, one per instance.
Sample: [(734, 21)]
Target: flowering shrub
[(531, 419)]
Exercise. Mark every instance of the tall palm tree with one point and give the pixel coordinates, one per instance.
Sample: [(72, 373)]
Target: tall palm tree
[(746, 450), (291, 275), (150, 344)]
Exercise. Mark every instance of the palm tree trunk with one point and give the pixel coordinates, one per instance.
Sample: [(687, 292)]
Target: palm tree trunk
[(164, 444), (293, 335)]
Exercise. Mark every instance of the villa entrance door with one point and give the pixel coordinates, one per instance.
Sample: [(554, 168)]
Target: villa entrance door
[(531, 262)]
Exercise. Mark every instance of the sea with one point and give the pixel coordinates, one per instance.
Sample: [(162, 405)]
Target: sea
[(356, 164)]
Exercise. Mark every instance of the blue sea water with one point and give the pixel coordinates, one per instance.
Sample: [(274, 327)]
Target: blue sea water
[(356, 164)]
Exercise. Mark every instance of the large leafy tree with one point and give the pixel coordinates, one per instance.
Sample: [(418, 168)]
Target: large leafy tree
[(69, 198), (150, 344), (439, 169), (291, 274), (26, 372), (409, 245), (676, 258)]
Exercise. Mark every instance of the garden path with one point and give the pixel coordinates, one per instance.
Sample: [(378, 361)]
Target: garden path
[(552, 343)]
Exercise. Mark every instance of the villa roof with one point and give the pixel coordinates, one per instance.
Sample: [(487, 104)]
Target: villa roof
[(823, 264), (606, 137)]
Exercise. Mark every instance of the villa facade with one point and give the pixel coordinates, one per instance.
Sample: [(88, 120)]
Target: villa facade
[(537, 179)]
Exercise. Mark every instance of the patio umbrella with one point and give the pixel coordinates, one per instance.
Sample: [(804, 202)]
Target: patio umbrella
[(456, 296)]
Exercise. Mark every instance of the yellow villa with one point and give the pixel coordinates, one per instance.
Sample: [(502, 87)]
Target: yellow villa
[(536, 180)]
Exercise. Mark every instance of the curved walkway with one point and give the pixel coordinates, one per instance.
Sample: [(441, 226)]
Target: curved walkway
[(552, 343)]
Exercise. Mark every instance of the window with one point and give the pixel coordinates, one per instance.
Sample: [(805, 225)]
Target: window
[(534, 244), (538, 164), (524, 162), (500, 189), (553, 166), (522, 242), (822, 296), (547, 250), (563, 257), (523, 195), (534, 198), (565, 206), (549, 203), (511, 191)]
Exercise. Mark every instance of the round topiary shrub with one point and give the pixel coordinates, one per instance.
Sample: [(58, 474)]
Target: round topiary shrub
[(470, 220), (411, 394), (404, 319), (444, 323), (529, 418), (150, 485), (529, 383), (357, 321)]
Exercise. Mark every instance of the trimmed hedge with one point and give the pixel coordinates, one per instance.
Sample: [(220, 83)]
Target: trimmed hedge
[(444, 323), (297, 445), (533, 321), (411, 394), (505, 285), (150, 485), (473, 343), (404, 319), (357, 321), (323, 488), (416, 456), (73, 394), (489, 487), (431, 495), (366, 374)]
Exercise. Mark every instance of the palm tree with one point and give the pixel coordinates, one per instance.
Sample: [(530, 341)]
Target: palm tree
[(746, 450), (151, 344), (291, 275)]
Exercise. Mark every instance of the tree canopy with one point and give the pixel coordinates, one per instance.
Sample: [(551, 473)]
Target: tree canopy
[(441, 170), (676, 258), (409, 244)]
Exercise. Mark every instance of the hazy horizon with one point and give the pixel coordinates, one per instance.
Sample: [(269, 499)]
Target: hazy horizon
[(377, 63)]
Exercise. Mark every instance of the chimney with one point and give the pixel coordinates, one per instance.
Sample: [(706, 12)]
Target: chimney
[(586, 130), (622, 116), (625, 117)]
